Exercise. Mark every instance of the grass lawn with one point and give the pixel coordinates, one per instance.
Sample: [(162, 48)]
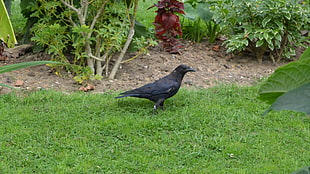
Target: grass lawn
[(219, 130), (144, 16)]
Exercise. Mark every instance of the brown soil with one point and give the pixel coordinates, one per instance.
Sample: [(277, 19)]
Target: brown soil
[(213, 66)]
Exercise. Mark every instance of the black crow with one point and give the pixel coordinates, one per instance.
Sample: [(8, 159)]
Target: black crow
[(161, 89)]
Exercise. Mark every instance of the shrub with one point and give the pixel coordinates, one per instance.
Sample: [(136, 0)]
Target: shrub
[(264, 26), (167, 23), (93, 32)]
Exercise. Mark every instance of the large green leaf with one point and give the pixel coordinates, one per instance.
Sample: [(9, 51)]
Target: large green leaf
[(201, 10), (6, 29), (140, 30), (295, 100), (190, 12), (16, 66), (204, 11), (284, 79), (305, 54), (305, 170)]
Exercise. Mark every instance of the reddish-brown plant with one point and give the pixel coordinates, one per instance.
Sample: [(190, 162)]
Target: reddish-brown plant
[(167, 23)]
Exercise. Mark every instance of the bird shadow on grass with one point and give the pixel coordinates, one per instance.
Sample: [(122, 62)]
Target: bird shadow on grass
[(136, 106), (145, 107)]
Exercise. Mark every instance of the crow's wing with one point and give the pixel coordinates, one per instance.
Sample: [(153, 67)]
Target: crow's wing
[(163, 86)]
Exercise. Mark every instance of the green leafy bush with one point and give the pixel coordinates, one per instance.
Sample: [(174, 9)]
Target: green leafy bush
[(85, 33), (264, 26)]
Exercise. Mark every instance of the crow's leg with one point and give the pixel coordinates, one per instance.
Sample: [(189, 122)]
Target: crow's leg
[(162, 105), (159, 103)]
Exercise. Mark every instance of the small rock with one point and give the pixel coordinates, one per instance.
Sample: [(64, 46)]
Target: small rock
[(8, 79), (226, 66), (19, 83), (31, 74), (188, 82)]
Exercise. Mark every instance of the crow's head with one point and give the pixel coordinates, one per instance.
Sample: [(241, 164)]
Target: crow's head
[(183, 69)]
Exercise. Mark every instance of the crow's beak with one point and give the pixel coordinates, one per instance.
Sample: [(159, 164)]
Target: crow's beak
[(191, 70)]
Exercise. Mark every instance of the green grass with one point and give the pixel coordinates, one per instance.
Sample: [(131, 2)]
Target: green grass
[(219, 130), (144, 16)]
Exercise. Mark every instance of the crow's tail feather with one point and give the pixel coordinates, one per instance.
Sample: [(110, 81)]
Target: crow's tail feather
[(121, 96)]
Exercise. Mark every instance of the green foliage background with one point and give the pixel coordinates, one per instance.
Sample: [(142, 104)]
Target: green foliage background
[(273, 26)]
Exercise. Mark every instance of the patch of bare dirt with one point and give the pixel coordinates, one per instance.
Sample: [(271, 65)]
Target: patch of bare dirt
[(213, 66)]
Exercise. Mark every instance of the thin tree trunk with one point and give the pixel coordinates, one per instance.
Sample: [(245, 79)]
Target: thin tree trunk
[(82, 14), (129, 39), (283, 45), (90, 60), (259, 54)]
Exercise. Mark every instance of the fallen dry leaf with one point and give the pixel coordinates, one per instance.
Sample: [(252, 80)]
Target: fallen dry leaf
[(216, 48), (90, 87), (19, 83), (87, 88), (82, 88), (2, 58)]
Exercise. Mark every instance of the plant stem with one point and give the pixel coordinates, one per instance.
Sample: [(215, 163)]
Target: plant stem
[(129, 39)]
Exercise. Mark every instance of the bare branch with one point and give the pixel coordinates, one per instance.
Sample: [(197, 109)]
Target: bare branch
[(70, 6), (95, 57), (84, 6), (70, 20), (137, 55), (100, 11)]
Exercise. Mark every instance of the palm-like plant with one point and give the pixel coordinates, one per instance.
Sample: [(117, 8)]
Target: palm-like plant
[(6, 30)]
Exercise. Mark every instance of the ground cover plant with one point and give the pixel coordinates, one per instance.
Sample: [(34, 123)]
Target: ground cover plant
[(267, 26), (219, 130)]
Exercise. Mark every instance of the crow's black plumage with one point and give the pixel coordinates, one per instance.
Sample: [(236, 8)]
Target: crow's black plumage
[(161, 89)]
